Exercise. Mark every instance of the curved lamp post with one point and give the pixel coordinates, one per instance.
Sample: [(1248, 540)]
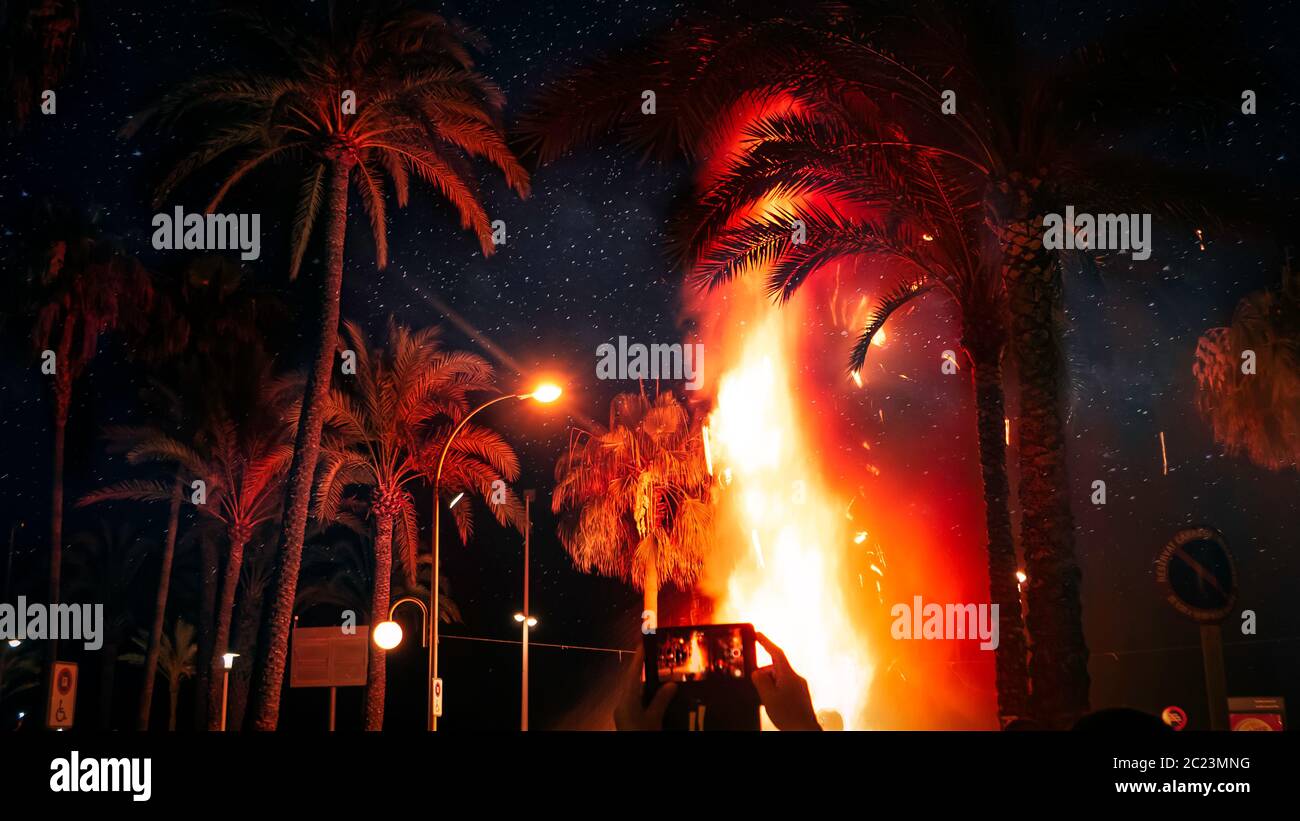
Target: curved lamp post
[(545, 393)]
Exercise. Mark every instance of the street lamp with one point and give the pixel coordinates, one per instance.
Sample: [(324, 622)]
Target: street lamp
[(546, 393), (227, 662), (388, 634)]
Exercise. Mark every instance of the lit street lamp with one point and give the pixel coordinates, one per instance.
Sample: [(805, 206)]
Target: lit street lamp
[(227, 662), (544, 393)]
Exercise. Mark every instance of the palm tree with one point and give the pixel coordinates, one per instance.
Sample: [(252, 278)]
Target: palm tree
[(255, 579), (1254, 408), (42, 39), (175, 660), (421, 110), (202, 306), (103, 567), (240, 454), (80, 285), (635, 499), (920, 216), (377, 425)]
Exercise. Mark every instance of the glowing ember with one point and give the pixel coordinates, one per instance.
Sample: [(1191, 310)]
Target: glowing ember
[(789, 584)]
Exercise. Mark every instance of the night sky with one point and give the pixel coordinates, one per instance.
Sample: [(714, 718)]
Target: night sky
[(584, 264)]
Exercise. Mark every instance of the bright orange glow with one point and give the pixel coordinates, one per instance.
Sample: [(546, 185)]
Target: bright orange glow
[(789, 584), (387, 635), (546, 392)]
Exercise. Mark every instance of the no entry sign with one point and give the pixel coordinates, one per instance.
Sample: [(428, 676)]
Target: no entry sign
[(1198, 575)]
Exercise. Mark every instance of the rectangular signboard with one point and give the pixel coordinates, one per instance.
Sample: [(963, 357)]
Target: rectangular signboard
[(63, 696), (329, 657)]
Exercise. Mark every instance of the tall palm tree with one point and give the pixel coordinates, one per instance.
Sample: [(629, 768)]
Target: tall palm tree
[(918, 217), (175, 660), (635, 499), (240, 454), (376, 426), (1254, 408), (204, 307), (421, 109), (103, 566), (81, 285)]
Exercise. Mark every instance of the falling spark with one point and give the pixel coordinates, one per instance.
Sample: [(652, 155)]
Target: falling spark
[(877, 570), (708, 450), (861, 537), (1006, 424), (459, 496), (928, 237), (1200, 238), (1164, 456)]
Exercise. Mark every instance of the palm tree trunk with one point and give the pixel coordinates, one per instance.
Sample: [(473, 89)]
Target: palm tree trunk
[(376, 670), (250, 616), (1058, 660), (305, 453), (173, 696), (225, 610), (160, 606), (1012, 679), (107, 675), (62, 402), (650, 599), (207, 610)]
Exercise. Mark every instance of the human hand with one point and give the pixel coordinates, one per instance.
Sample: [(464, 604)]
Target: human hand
[(784, 692), (631, 714)]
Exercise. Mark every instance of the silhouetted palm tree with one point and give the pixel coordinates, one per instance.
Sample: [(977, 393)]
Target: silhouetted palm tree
[(41, 40), (420, 110), (634, 500), (103, 565), (80, 285), (175, 660), (376, 423), (1249, 377), (240, 455)]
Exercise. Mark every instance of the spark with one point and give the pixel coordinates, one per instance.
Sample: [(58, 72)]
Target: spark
[(1200, 238), (861, 537), (708, 450), (459, 496), (1006, 424), (1164, 456)]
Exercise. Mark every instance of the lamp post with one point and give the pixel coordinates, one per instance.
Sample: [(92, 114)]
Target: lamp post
[(527, 622), (227, 662), (545, 394)]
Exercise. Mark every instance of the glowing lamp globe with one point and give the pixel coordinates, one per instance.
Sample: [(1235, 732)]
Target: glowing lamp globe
[(546, 393), (388, 634)]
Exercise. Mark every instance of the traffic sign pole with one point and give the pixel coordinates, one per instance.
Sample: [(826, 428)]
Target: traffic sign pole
[(1216, 680)]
